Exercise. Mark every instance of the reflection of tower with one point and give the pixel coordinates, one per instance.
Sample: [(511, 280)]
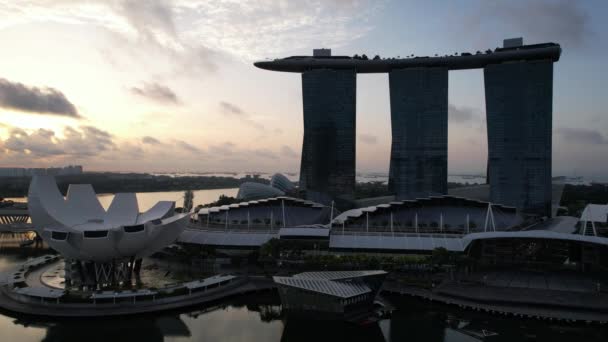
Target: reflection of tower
[(132, 329), (300, 330), (327, 169), (417, 323), (419, 121)]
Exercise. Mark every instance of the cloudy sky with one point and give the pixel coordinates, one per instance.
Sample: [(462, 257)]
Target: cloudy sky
[(126, 85)]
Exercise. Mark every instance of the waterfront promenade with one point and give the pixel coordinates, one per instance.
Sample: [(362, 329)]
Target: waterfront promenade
[(7, 302), (24, 291), (27, 290)]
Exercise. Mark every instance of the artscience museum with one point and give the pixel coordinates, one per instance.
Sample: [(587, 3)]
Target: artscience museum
[(100, 246)]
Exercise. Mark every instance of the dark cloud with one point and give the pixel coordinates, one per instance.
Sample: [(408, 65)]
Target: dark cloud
[(150, 140), (461, 114), (86, 141), (264, 153), (40, 143), (201, 59), (130, 151), (154, 22), (254, 124), (231, 109), (187, 147), (368, 139), (224, 149), (582, 136), (149, 17), (36, 100), (561, 21), (156, 92), (288, 152)]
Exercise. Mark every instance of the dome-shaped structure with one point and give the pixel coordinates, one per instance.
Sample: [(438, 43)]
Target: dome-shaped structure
[(279, 181), (79, 228), (252, 191)]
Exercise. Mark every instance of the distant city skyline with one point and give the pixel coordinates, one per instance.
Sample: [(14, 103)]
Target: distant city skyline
[(169, 86)]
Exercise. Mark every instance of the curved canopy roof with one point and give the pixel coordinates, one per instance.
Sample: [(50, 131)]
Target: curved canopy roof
[(266, 201), (420, 202), (279, 181), (251, 191)]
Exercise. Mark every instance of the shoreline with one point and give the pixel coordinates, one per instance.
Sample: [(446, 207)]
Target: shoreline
[(563, 306)]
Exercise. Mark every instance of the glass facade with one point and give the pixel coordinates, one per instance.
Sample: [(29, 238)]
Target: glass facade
[(519, 99), (327, 170), (419, 122)]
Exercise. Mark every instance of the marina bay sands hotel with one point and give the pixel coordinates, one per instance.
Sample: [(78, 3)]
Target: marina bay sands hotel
[(519, 93)]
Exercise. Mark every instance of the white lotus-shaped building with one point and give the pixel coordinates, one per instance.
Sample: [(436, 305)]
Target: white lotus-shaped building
[(80, 229)]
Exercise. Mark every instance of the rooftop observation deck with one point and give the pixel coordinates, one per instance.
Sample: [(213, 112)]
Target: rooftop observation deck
[(546, 51)]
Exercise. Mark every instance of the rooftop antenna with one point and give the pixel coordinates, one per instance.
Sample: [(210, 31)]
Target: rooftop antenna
[(489, 219), (585, 228), (331, 214), (283, 209)]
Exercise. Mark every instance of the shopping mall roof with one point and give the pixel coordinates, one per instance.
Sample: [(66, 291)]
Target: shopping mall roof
[(262, 202)]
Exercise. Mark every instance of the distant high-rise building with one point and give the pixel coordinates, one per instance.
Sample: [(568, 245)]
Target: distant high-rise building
[(327, 169), (419, 122), (29, 172), (519, 98)]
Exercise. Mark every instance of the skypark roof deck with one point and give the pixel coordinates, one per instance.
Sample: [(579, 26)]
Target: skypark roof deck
[(547, 51)]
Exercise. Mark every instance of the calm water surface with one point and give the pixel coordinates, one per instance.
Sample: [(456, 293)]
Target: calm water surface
[(258, 318), (147, 199)]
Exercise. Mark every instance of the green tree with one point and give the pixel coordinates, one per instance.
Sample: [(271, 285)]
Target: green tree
[(440, 256)]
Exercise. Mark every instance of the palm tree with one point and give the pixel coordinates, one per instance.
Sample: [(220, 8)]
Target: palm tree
[(188, 200)]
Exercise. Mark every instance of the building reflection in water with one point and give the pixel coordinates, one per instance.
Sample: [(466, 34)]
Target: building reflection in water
[(143, 328), (296, 330), (258, 318)]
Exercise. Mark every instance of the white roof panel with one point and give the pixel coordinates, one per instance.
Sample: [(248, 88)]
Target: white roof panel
[(123, 210), (337, 275), (328, 287), (158, 211), (595, 213), (81, 199)]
